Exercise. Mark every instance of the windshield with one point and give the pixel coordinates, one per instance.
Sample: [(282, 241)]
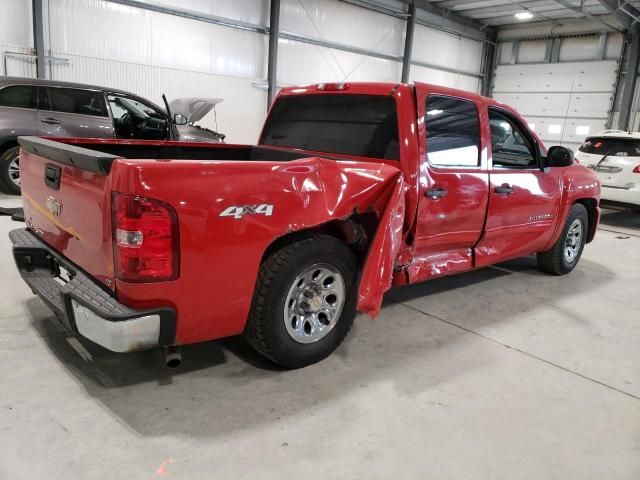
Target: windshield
[(619, 147), (362, 125)]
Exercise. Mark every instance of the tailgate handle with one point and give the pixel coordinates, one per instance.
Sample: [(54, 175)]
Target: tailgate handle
[(52, 175)]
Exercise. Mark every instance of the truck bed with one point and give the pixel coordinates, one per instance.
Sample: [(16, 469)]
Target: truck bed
[(167, 150)]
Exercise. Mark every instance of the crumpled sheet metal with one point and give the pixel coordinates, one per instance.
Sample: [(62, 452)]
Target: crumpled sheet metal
[(377, 274), (344, 188)]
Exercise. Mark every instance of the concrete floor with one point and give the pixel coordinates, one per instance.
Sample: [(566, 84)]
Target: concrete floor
[(503, 373)]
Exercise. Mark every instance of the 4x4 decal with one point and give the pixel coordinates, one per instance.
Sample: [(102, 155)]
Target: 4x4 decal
[(238, 212)]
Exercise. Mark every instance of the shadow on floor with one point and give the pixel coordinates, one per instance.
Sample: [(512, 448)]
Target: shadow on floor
[(224, 386), (620, 219)]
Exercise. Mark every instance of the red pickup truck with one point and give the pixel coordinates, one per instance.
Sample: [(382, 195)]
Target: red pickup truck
[(352, 188)]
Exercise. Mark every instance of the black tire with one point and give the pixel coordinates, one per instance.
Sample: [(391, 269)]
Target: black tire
[(7, 185), (265, 329), (554, 261)]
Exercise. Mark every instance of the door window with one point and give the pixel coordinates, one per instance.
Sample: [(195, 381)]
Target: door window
[(73, 100), (453, 132), (511, 145), (134, 119), (22, 96)]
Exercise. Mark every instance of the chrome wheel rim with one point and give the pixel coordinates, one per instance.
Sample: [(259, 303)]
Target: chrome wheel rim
[(14, 169), (573, 242), (314, 303)]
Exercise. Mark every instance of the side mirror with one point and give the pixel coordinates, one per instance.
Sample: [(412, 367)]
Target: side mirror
[(180, 119), (559, 157)]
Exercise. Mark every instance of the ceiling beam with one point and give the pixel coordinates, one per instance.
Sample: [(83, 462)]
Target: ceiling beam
[(584, 13), (446, 13), (429, 16), (624, 13)]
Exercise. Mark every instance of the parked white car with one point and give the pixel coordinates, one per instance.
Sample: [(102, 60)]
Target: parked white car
[(615, 157)]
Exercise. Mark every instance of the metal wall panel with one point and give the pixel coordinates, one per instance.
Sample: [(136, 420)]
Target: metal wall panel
[(15, 23), (301, 63), (18, 61), (248, 11), (240, 116), (532, 51), (95, 28), (442, 49), (446, 79), (343, 23)]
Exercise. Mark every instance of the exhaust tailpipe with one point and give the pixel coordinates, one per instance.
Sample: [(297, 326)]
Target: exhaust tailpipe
[(172, 356)]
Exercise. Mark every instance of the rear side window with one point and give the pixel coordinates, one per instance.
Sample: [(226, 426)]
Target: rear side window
[(453, 132), (22, 96), (619, 147), (363, 125), (82, 102)]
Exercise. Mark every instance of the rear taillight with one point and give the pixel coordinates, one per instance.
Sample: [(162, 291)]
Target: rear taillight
[(637, 169), (145, 239)]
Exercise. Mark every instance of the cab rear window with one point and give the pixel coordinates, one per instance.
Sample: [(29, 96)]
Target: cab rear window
[(362, 125), (620, 147)]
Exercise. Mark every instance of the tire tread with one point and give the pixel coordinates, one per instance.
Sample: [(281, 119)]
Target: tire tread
[(268, 272), (551, 261)]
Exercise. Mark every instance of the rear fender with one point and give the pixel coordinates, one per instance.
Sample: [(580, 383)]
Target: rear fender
[(233, 213), (385, 197)]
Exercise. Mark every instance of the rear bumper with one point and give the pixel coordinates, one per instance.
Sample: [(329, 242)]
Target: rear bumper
[(83, 304), (620, 197)]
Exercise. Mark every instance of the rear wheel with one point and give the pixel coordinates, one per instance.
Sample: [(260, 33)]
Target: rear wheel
[(10, 171), (565, 253), (304, 302)]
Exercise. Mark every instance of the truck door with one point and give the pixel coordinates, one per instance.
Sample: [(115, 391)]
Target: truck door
[(453, 191), (73, 112), (523, 199)]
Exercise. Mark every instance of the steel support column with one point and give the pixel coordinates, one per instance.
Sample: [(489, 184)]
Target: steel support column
[(629, 84), (38, 37), (489, 65), (408, 43), (272, 65)]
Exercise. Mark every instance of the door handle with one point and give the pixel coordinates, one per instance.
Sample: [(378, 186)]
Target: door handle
[(51, 121), (436, 192), (504, 189)]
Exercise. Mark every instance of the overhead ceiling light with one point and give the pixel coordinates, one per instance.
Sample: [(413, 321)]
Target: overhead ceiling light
[(524, 15)]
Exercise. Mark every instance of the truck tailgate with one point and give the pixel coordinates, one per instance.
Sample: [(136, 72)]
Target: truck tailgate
[(67, 202)]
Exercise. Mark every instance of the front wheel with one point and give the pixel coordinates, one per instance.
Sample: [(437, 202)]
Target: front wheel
[(565, 253), (304, 302), (10, 171)]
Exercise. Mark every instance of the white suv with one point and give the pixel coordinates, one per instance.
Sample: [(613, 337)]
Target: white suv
[(615, 157)]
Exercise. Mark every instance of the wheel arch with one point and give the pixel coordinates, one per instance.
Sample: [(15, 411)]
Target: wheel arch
[(355, 231), (591, 204), (7, 143)]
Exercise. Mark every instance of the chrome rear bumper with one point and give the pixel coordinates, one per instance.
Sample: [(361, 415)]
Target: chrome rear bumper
[(84, 305)]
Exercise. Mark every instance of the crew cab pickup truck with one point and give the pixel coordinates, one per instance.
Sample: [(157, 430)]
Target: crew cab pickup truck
[(352, 188)]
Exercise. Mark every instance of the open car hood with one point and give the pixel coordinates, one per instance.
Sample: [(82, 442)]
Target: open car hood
[(193, 108)]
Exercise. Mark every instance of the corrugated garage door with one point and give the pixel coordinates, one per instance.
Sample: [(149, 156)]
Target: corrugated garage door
[(563, 102)]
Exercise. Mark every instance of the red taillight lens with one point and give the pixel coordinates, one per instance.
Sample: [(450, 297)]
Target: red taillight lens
[(637, 169), (145, 239)]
